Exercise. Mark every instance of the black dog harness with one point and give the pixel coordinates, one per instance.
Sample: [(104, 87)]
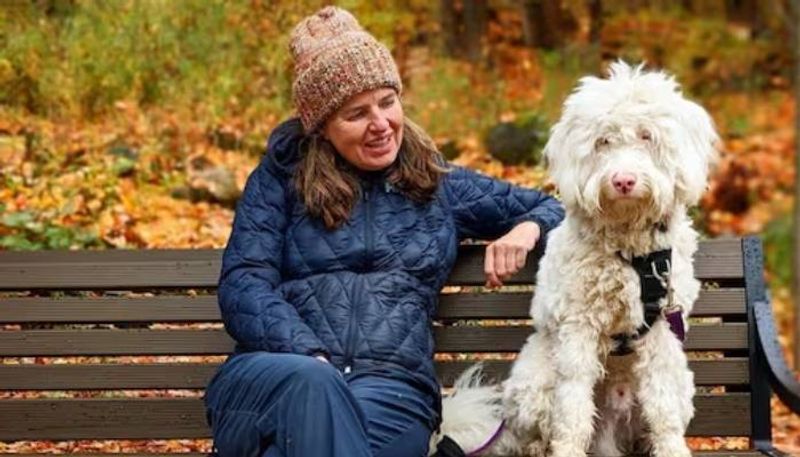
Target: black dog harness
[(654, 276), (448, 448)]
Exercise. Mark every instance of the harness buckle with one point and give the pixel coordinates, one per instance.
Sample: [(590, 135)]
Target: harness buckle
[(671, 312)]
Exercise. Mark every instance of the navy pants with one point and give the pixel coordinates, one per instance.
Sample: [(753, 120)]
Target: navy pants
[(285, 405)]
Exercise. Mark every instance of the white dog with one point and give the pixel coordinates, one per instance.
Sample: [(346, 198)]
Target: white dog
[(628, 155)]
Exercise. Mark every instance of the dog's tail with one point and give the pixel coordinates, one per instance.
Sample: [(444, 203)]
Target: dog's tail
[(471, 416)]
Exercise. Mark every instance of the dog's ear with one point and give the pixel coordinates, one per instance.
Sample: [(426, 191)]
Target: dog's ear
[(557, 145), (697, 145), (569, 141)]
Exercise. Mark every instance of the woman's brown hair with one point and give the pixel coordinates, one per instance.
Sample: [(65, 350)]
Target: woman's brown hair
[(329, 186)]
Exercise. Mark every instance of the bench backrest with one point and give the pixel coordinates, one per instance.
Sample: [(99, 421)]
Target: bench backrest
[(117, 311)]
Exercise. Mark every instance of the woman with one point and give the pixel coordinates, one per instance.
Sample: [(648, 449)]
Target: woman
[(341, 242)]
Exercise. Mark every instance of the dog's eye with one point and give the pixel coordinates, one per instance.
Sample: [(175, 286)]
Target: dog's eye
[(645, 135), (601, 142)]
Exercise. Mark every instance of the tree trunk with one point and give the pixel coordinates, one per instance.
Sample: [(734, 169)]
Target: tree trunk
[(740, 10), (449, 20), (745, 12), (595, 21), (476, 15), (529, 23), (542, 23), (795, 30), (708, 8)]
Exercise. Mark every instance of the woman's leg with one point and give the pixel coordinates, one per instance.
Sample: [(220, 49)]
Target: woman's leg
[(398, 416), (297, 404)]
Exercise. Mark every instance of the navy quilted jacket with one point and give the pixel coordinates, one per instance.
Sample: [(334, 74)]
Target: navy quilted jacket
[(363, 294)]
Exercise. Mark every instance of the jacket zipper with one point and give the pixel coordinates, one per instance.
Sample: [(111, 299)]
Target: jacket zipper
[(368, 255), (368, 227)]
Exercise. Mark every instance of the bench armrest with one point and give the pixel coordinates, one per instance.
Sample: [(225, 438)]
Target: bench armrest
[(782, 379)]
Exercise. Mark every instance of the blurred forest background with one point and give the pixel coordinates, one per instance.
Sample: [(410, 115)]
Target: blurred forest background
[(134, 124)]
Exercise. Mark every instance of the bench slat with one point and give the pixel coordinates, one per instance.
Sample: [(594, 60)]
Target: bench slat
[(109, 269), (194, 454), (731, 371), (122, 269), (162, 308), (182, 454), (715, 259), (511, 339), (177, 308), (155, 418), (707, 372), (716, 302), (199, 342)]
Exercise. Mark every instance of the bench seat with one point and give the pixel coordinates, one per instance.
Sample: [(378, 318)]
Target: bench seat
[(124, 309)]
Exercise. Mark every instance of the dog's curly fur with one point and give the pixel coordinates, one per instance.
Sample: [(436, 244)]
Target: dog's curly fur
[(629, 155)]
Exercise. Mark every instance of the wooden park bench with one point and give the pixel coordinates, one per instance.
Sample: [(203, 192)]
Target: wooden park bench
[(65, 304)]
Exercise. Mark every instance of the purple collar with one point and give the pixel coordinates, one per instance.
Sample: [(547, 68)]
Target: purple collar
[(488, 442)]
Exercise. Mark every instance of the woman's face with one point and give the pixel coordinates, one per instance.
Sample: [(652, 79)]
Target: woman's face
[(368, 130)]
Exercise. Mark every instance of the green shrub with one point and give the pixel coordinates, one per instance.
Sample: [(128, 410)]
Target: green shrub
[(778, 249), (29, 232), (517, 143), (208, 52)]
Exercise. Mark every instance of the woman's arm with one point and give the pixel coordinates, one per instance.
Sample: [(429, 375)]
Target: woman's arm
[(515, 217), (487, 208), (254, 314)]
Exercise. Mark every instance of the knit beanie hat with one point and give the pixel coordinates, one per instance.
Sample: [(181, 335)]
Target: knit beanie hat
[(335, 59)]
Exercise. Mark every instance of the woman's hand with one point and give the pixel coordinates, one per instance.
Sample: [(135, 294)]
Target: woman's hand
[(506, 255), (321, 357)]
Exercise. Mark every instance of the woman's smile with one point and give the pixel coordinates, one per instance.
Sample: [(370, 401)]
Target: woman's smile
[(380, 146)]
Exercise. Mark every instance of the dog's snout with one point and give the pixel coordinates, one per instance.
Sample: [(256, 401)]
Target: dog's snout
[(623, 182)]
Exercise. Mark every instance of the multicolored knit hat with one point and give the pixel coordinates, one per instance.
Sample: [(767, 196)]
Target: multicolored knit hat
[(335, 59)]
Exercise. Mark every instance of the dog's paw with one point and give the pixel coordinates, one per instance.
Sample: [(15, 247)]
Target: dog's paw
[(567, 449), (671, 448), (536, 449)]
